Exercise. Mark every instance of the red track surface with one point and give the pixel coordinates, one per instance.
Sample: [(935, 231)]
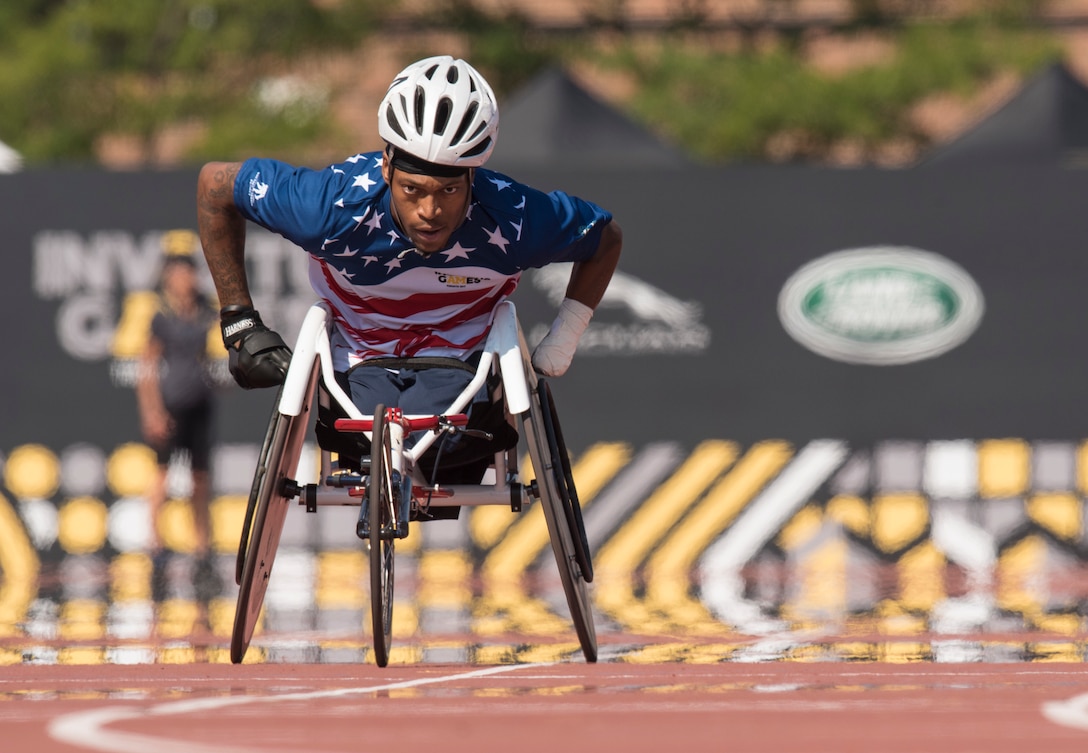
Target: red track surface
[(615, 706)]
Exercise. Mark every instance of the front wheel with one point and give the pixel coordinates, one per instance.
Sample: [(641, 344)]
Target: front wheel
[(381, 500)]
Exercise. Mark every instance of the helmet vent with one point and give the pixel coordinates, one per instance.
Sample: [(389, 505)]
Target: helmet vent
[(466, 121), (391, 119), (420, 104), (480, 129), (480, 148), (442, 115), (442, 111)]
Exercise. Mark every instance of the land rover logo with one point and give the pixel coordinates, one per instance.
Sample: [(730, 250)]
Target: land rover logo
[(882, 305)]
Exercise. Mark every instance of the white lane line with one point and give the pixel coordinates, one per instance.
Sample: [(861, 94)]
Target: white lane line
[(1072, 712), (87, 729)]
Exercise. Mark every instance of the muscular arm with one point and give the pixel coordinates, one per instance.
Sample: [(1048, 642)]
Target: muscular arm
[(589, 279), (223, 232)]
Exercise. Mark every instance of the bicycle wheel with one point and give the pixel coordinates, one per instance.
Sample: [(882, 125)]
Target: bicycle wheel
[(255, 488), (381, 499), (272, 495), (560, 530), (564, 480)]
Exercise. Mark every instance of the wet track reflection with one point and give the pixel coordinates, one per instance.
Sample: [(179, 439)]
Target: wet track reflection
[(447, 611), (719, 553)]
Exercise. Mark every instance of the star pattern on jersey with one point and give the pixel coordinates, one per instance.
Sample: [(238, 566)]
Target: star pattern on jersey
[(363, 181), (496, 238), (358, 198), (374, 223), (457, 251)]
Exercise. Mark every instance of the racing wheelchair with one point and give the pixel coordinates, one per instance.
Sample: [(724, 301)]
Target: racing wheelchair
[(383, 471)]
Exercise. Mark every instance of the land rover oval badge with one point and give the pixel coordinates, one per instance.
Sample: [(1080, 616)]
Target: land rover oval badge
[(882, 305)]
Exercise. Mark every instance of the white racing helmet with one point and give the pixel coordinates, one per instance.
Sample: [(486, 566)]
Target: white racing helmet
[(441, 111)]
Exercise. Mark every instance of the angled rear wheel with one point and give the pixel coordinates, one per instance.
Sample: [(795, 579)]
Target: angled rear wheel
[(562, 513), (564, 480), (273, 491), (255, 488)]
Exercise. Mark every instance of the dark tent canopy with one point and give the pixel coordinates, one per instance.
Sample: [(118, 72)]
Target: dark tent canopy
[(554, 122), (1045, 123)]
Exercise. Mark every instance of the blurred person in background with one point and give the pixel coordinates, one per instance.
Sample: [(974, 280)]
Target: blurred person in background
[(176, 398)]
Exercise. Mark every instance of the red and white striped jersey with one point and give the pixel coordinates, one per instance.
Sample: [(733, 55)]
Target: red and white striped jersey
[(387, 298)]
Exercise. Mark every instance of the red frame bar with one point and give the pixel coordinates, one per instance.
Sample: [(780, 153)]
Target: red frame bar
[(418, 423)]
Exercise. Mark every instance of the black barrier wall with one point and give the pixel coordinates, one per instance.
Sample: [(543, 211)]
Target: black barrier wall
[(690, 341), (793, 368), (728, 241)]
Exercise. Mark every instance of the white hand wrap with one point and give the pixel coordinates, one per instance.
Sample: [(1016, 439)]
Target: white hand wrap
[(553, 355)]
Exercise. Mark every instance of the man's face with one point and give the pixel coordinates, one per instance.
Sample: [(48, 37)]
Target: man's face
[(428, 209)]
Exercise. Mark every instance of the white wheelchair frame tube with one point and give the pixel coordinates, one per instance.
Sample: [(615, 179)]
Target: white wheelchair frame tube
[(504, 341)]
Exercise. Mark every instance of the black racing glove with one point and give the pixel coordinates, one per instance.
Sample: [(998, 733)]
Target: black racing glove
[(258, 356)]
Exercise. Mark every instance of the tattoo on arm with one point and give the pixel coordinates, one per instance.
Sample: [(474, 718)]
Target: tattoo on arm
[(223, 232)]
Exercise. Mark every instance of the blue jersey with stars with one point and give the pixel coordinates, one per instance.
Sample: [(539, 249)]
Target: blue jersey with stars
[(387, 301)]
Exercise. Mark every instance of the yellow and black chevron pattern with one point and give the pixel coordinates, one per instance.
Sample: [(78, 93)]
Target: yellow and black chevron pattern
[(699, 551)]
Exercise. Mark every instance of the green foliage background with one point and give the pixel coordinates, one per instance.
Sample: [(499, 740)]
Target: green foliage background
[(728, 105), (72, 71)]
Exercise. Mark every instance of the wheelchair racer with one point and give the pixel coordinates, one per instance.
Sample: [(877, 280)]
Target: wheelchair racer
[(412, 247)]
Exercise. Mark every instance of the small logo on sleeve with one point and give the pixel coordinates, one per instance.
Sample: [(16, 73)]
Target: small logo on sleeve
[(257, 190)]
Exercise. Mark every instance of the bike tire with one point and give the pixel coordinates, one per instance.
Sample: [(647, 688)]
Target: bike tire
[(380, 499), (559, 529), (564, 480), (273, 500), (255, 489)]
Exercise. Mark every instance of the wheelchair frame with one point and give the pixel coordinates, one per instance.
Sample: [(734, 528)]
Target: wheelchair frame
[(385, 506)]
